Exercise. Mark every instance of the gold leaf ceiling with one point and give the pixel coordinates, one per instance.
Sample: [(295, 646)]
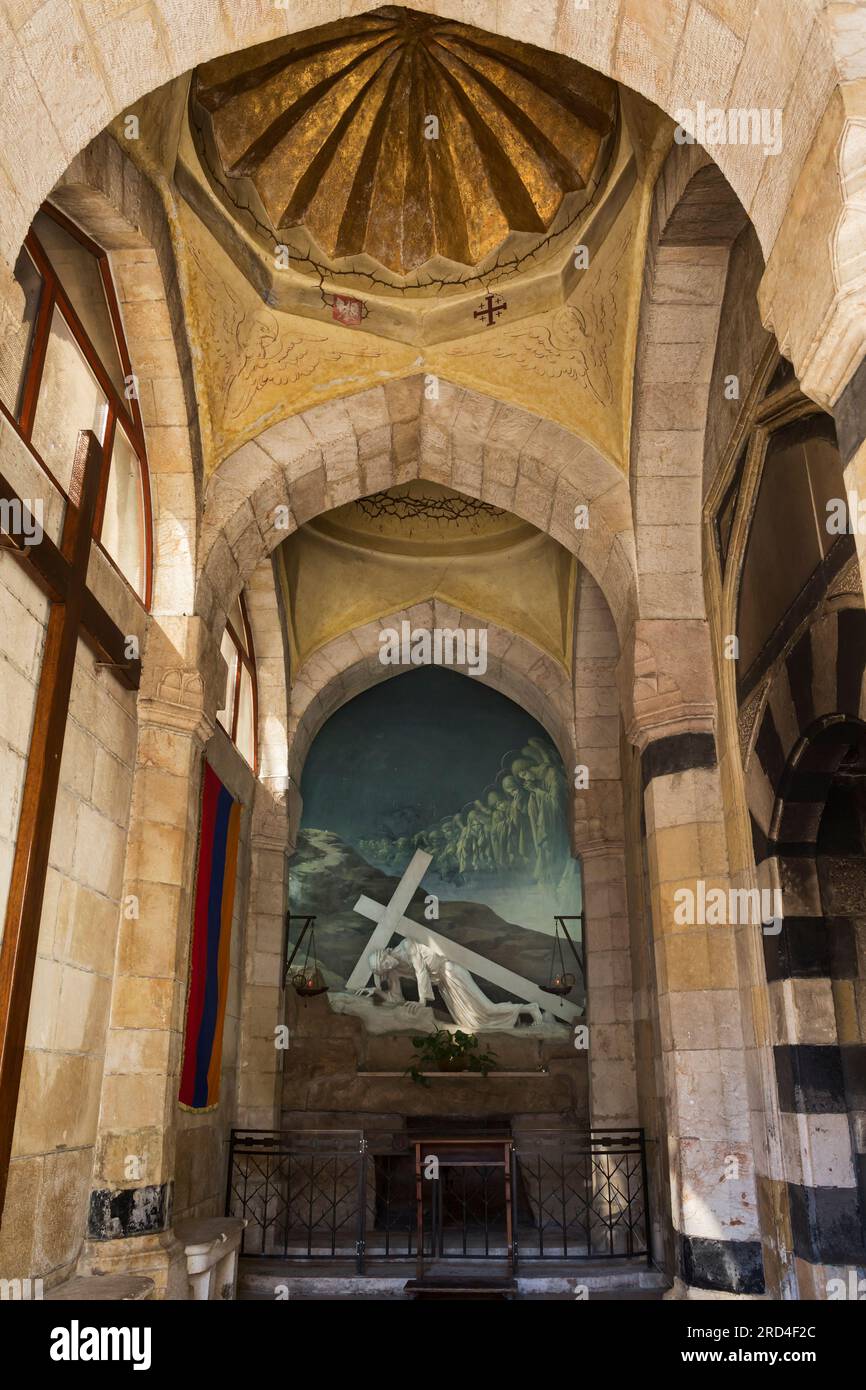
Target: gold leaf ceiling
[(329, 131)]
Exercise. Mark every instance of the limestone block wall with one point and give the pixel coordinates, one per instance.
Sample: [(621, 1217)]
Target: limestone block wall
[(334, 1064), (56, 1125), (599, 840)]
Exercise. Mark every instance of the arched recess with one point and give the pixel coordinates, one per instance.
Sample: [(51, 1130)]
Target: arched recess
[(108, 196), (815, 861), (569, 709), (351, 663), (338, 452), (334, 674), (581, 714), (88, 64), (808, 679), (821, 676)]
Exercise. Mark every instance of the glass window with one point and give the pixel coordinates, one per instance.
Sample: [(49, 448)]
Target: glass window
[(238, 714), (245, 734), (78, 272), (70, 400), (16, 354), (68, 373), (230, 654), (123, 521)]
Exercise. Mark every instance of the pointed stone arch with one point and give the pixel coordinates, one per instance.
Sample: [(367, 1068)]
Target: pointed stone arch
[(344, 450), (350, 664)]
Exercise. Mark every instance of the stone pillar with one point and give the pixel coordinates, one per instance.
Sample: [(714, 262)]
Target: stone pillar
[(712, 1172), (129, 1219), (598, 833), (263, 1007), (610, 1005)]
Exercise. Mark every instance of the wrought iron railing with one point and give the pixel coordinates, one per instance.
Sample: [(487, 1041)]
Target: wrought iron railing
[(352, 1194)]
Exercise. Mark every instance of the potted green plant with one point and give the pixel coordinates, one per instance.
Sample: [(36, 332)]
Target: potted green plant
[(449, 1052)]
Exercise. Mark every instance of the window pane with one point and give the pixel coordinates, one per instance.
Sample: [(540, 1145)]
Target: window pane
[(14, 358), (246, 736), (69, 401), (123, 519), (78, 272), (788, 537), (229, 651), (236, 619)]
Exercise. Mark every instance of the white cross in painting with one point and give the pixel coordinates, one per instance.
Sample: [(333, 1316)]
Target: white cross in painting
[(389, 917), (390, 920)]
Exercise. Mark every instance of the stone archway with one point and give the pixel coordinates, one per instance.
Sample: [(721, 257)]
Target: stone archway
[(339, 452), (695, 219), (350, 664), (711, 51), (332, 454), (582, 719)]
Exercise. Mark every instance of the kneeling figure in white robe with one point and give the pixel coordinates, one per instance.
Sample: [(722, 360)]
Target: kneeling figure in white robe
[(468, 1005)]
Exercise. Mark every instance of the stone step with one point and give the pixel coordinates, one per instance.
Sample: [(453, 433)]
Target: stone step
[(261, 1279), (460, 1287)]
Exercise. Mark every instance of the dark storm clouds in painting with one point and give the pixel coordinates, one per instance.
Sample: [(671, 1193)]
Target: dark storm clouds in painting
[(407, 752)]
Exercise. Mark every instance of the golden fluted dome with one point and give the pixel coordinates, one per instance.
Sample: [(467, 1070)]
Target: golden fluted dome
[(402, 137)]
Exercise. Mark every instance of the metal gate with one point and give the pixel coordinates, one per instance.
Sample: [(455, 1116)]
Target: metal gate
[(353, 1194)]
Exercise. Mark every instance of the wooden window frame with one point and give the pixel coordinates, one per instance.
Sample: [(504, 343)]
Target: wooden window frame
[(120, 410), (245, 659), (763, 414)]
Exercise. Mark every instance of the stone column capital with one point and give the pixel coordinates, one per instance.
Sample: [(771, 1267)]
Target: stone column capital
[(599, 849), (176, 718), (665, 676), (183, 668), (672, 721)]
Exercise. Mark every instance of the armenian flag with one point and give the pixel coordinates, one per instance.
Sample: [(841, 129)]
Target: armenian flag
[(211, 940)]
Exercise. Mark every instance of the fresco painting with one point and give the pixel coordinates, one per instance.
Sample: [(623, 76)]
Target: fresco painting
[(435, 761)]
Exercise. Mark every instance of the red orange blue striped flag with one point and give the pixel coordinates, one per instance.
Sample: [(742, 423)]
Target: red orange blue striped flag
[(211, 940)]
